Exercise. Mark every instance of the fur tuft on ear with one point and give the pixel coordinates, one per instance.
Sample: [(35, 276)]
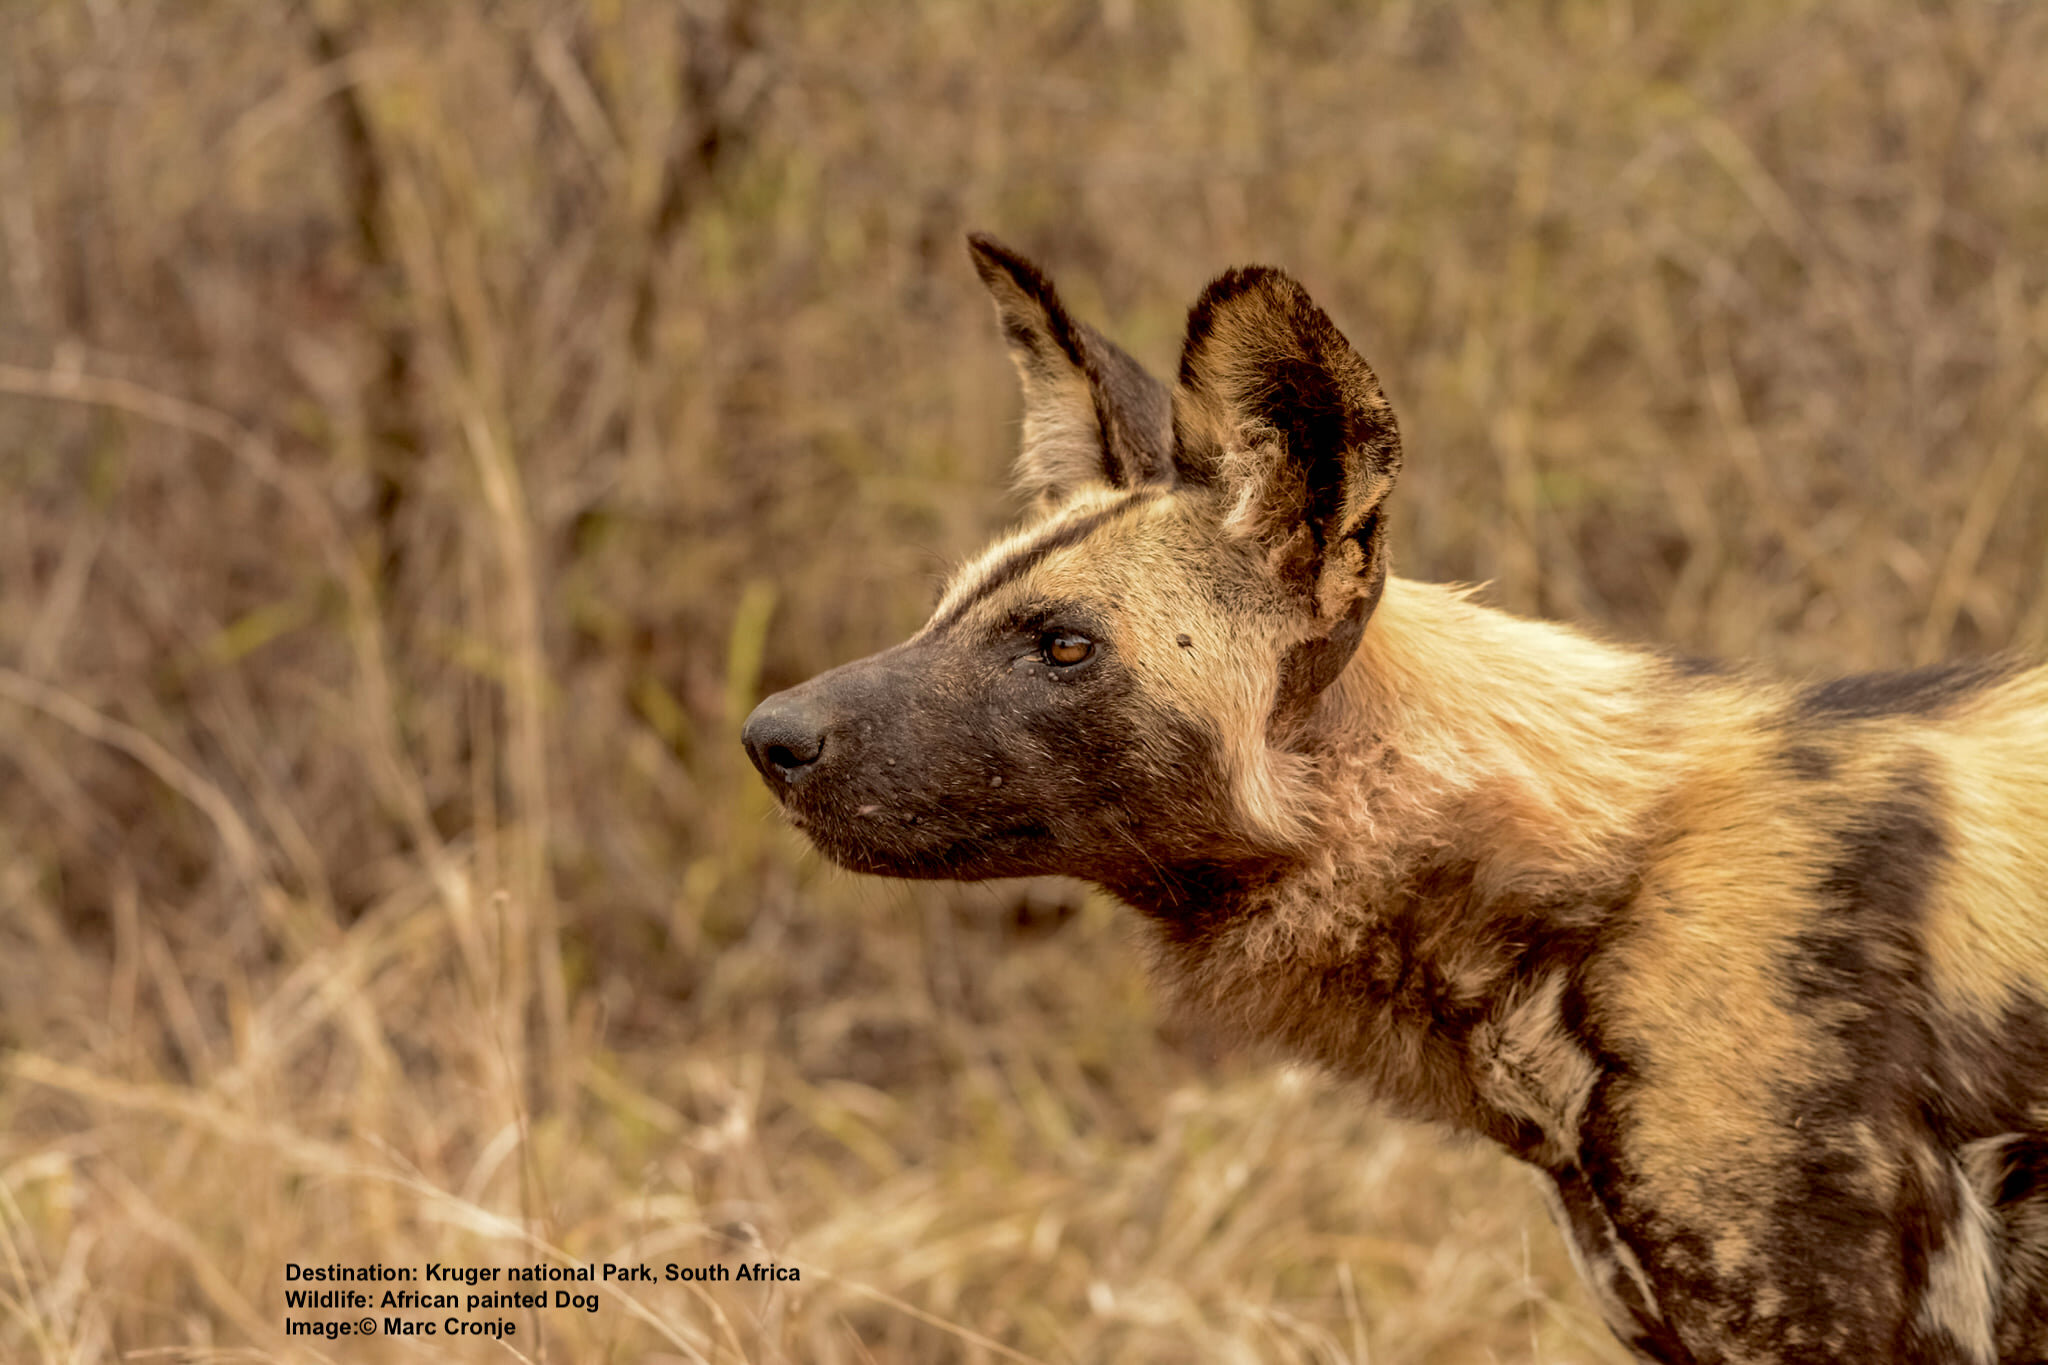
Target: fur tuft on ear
[(1092, 415), (1278, 411)]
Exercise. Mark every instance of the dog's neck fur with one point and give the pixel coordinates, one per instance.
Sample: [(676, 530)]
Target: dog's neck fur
[(1483, 835), (1520, 746)]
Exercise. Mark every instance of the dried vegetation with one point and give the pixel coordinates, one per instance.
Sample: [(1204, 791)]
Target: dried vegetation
[(425, 429)]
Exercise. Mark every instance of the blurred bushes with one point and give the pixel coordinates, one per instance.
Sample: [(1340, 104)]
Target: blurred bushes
[(425, 429)]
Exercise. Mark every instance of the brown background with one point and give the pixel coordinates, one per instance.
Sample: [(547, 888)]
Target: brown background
[(426, 429)]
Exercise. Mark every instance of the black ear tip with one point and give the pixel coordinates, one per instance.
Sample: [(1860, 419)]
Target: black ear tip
[(1260, 297), (992, 259), (1004, 271), (1262, 281), (1228, 293)]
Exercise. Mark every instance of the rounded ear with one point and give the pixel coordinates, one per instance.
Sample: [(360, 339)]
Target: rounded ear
[(1092, 415), (1277, 410)]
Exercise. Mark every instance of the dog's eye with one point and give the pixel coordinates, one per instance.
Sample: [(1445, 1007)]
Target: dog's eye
[(1064, 649)]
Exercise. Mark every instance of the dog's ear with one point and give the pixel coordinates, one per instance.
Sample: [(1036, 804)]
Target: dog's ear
[(1092, 415), (1281, 415), (1278, 412)]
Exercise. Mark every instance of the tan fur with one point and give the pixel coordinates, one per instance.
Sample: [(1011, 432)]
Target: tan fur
[(1983, 951), (1756, 974)]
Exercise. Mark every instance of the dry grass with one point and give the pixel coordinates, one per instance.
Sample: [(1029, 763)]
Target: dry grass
[(424, 430)]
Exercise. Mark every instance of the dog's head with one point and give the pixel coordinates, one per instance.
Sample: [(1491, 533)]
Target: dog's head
[(1113, 691)]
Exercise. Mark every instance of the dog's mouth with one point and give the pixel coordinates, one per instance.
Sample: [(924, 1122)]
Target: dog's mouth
[(882, 840)]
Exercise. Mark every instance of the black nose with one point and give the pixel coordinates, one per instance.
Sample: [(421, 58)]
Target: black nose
[(783, 738)]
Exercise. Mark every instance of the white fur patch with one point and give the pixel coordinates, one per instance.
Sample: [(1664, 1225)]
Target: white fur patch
[(1601, 1266), (1961, 1297), (1536, 1071)]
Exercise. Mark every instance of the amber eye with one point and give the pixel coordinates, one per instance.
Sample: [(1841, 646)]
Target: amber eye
[(1066, 650)]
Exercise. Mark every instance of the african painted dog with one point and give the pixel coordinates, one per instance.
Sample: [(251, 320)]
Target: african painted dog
[(1755, 974)]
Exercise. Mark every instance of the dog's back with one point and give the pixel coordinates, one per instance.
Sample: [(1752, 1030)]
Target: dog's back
[(1827, 1009)]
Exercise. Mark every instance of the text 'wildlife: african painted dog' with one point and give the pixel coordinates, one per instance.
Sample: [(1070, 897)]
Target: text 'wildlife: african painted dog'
[(1756, 974)]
